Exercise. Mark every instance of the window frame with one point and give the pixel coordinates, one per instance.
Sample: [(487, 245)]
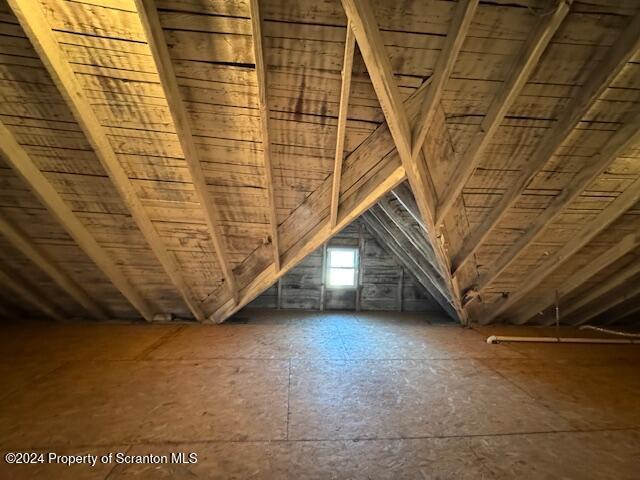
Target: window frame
[(355, 268)]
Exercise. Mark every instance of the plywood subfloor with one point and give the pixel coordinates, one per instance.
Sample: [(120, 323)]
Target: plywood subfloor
[(310, 395)]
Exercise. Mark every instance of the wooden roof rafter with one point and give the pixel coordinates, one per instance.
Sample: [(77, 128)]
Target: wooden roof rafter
[(627, 136), (460, 24), (606, 217), (28, 293), (625, 246), (50, 198), (42, 260), (155, 38), (520, 72), (261, 73), (347, 67), (625, 47), (367, 33), (34, 23)]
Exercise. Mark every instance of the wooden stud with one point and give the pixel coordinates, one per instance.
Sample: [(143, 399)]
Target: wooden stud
[(261, 72), (42, 260), (624, 138), (33, 21), (345, 89), (623, 247), (511, 88), (619, 206), (323, 284), (616, 58), (27, 292), (50, 198), (460, 24), (156, 40)]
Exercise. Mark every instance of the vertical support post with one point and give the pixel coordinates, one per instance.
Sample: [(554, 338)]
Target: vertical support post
[(323, 286), (401, 289)]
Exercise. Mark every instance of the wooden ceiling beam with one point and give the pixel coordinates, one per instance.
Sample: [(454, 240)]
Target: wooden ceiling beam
[(372, 48), (347, 67), (625, 246), (261, 72), (624, 138), (155, 38), (18, 158), (458, 29), (33, 21), (614, 210), (614, 60), (29, 294), (43, 261), (518, 76)]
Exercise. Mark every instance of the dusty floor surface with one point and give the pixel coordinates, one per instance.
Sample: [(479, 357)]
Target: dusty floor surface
[(301, 395)]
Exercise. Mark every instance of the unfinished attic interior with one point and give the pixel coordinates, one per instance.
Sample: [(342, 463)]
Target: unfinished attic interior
[(350, 239)]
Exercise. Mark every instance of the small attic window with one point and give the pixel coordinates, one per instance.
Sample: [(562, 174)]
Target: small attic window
[(342, 267)]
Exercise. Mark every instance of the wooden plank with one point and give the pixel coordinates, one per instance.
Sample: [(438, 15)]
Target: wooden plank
[(261, 71), (447, 57), (43, 261), (16, 156), (28, 293), (623, 139), (502, 102), (623, 247), (156, 40), (345, 89), (618, 55), (619, 206), (33, 21)]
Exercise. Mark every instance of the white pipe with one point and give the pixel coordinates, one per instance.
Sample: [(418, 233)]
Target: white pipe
[(500, 338), (609, 331)]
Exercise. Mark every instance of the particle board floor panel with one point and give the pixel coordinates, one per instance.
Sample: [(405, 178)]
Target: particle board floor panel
[(286, 394)]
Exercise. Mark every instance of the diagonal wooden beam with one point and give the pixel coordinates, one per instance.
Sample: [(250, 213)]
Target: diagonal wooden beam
[(18, 158), (634, 309), (415, 252), (520, 72), (615, 209), (616, 58), (33, 21), (460, 24), (624, 138), (261, 72), (347, 67), (615, 281), (42, 260), (385, 234), (28, 293), (371, 46), (628, 244), (156, 40), (611, 303)]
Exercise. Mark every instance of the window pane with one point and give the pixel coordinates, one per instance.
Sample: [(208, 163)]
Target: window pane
[(342, 258), (342, 277)]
